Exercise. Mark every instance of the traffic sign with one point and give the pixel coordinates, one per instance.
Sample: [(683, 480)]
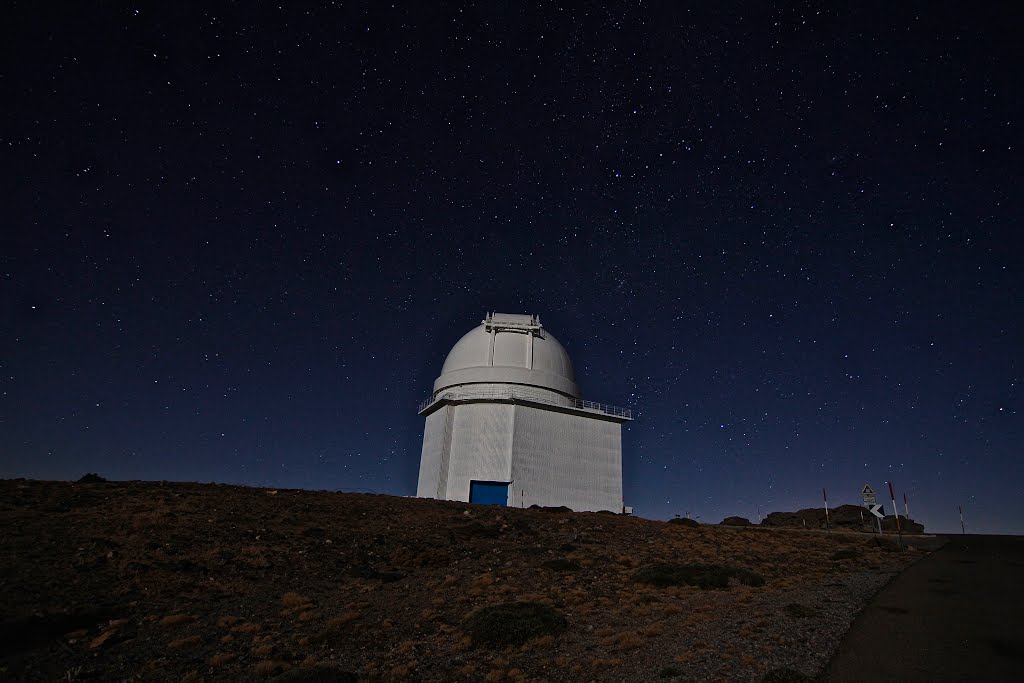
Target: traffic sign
[(868, 494), (876, 510)]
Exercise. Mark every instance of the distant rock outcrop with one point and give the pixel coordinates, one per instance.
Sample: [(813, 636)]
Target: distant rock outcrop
[(908, 526), (852, 517), (735, 521)]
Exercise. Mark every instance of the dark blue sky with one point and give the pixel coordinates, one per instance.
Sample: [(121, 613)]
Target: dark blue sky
[(239, 241)]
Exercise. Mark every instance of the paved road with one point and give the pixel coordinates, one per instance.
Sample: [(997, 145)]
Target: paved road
[(956, 615)]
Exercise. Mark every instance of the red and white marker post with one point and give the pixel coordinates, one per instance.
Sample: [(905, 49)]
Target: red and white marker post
[(828, 523), (895, 511)]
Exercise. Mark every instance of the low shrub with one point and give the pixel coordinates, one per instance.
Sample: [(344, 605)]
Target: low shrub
[(701, 575), (271, 668), (885, 544), (317, 674), (845, 554), (670, 672), (795, 609), (512, 623)]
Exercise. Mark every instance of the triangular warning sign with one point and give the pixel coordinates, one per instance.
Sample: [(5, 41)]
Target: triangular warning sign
[(867, 490)]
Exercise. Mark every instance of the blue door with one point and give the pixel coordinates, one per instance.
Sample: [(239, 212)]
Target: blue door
[(488, 492)]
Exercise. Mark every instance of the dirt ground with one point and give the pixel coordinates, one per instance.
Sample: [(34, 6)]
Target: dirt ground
[(180, 581)]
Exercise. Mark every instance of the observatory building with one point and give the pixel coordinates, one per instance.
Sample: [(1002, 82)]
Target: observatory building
[(506, 425)]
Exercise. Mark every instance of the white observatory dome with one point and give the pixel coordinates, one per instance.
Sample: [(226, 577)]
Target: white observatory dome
[(509, 349), (506, 425)]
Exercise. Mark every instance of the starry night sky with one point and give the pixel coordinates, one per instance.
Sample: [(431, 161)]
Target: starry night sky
[(238, 241)]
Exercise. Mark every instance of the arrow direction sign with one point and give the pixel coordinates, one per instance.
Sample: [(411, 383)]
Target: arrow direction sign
[(876, 510)]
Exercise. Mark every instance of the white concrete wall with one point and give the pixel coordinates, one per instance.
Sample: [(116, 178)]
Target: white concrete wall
[(552, 458), (430, 457), (566, 459), (481, 446)]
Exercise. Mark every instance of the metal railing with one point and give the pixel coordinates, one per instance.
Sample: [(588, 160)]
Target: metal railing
[(511, 394)]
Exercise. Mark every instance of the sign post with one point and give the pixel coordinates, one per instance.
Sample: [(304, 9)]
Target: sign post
[(868, 494), (906, 506), (963, 529)]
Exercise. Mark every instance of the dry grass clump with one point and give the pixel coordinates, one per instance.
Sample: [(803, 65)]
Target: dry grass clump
[(343, 618), (512, 623), (184, 643), (271, 668), (292, 599), (653, 630), (222, 658), (175, 619), (400, 672), (605, 662), (623, 641)]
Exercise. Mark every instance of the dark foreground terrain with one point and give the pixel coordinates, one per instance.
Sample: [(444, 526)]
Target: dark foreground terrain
[(171, 581)]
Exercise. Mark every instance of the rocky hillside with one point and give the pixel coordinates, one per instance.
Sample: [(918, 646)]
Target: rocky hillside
[(174, 581), (852, 517)]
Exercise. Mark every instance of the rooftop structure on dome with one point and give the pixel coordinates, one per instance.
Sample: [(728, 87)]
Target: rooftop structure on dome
[(505, 424)]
